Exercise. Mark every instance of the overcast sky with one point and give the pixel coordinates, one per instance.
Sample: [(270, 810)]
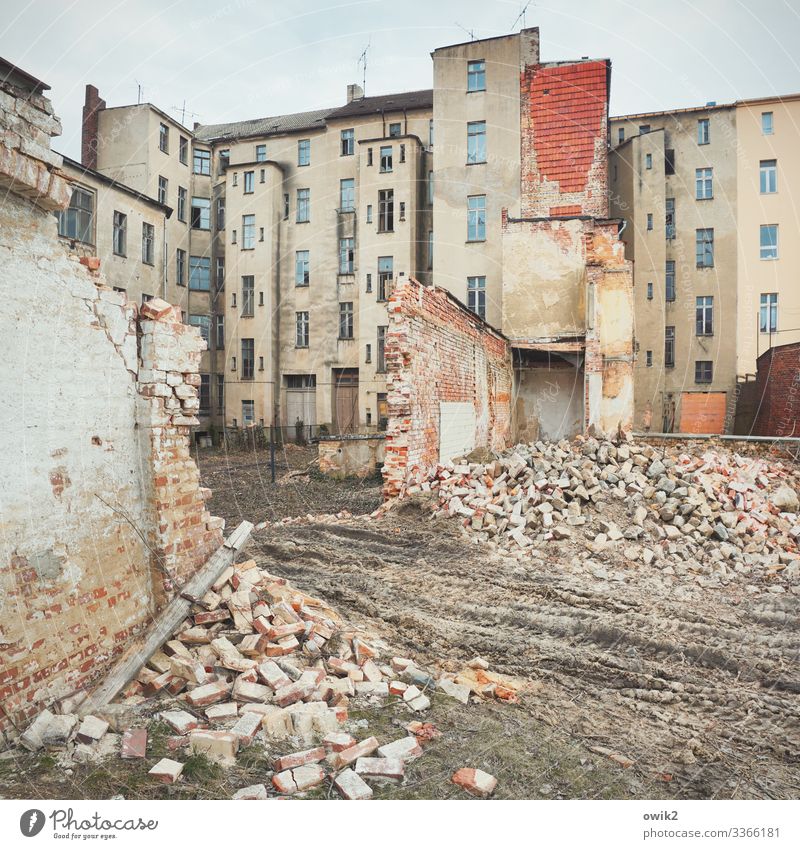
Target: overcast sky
[(238, 59)]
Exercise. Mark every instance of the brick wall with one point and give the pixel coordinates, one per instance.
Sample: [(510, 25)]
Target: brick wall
[(101, 515), (437, 350), (93, 104), (564, 129), (777, 393)]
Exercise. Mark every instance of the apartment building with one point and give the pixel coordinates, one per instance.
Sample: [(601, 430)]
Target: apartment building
[(698, 189)]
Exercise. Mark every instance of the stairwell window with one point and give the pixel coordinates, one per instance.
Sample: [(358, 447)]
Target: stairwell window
[(201, 162), (476, 75), (703, 183), (476, 142), (347, 195), (703, 371), (249, 182), (766, 123), (768, 318), (348, 139), (769, 241), (386, 210), (346, 255), (346, 320), (303, 206), (768, 176), (261, 153), (476, 218), (120, 237), (669, 347), (476, 295), (199, 273), (180, 267), (304, 152), (248, 358), (201, 213), (148, 243), (704, 315), (301, 330), (381, 348), (669, 282), (703, 131), (704, 247), (302, 265), (162, 190), (669, 218), (248, 296), (182, 195), (248, 232), (386, 159), (163, 138), (183, 150), (385, 274)]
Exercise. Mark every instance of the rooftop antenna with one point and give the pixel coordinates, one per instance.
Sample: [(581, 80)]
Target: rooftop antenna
[(521, 16), (469, 32), (139, 94), (183, 111), (362, 63)]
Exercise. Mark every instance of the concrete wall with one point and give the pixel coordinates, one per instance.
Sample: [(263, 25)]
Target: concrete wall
[(351, 456), (101, 513), (438, 351)]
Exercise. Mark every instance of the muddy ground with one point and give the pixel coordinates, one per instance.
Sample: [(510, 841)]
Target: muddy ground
[(697, 688)]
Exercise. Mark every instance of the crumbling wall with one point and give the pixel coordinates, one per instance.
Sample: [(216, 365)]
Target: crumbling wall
[(777, 392), (438, 351), (101, 515)]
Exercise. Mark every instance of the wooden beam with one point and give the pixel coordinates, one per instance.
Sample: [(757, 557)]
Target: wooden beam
[(167, 621)]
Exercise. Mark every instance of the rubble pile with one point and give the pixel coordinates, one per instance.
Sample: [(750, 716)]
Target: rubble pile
[(717, 516), (259, 661)]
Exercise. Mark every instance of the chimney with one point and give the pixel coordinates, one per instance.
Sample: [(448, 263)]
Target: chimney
[(93, 103), (354, 92)]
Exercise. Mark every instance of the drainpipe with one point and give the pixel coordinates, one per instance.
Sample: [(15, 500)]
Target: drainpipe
[(276, 321), (164, 259)]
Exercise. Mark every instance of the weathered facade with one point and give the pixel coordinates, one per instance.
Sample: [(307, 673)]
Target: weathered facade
[(101, 513), (777, 392)]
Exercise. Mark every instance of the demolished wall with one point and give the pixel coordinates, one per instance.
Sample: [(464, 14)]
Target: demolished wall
[(101, 515), (777, 392), (441, 360)]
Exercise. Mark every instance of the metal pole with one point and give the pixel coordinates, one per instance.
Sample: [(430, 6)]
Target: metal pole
[(272, 453)]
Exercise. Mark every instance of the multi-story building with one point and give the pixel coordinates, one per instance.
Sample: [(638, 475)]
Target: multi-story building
[(699, 191)]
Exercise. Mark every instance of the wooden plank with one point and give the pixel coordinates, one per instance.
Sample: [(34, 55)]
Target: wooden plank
[(167, 621)]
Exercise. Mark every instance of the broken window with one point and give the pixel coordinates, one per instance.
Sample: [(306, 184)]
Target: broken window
[(248, 358), (248, 412), (704, 315), (703, 183), (386, 211), (304, 152), (381, 347), (183, 149), (219, 335), (703, 371), (669, 217), (476, 295), (301, 330), (180, 267), (768, 322), (476, 142), (704, 247), (148, 243), (201, 162), (203, 324), (220, 393), (120, 233), (669, 347), (476, 218), (346, 255), (199, 273), (348, 138), (395, 130), (385, 274), (205, 393), (248, 295), (201, 213), (346, 320), (669, 161), (476, 75), (302, 265), (77, 221), (163, 138), (769, 241)]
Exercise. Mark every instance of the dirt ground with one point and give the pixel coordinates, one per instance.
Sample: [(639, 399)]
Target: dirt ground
[(698, 688)]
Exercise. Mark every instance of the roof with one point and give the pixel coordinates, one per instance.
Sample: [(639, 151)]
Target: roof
[(316, 119), (103, 178), (771, 98), (10, 73), (525, 30)]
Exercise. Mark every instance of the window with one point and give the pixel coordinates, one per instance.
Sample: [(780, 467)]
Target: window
[(649, 220), (301, 268), (769, 241), (704, 315), (369, 283), (703, 183), (219, 272), (203, 324), (381, 349), (383, 411), (704, 245), (221, 213), (476, 218), (476, 75), (766, 123), (163, 138), (249, 182), (476, 142), (233, 237), (476, 295), (248, 358), (368, 353), (650, 291), (248, 295), (303, 205), (304, 152), (703, 131), (148, 243), (648, 161), (201, 214), (120, 237), (346, 252), (286, 207), (346, 320), (386, 159), (262, 175), (402, 153), (395, 130), (369, 156), (181, 203), (385, 274), (180, 267), (386, 211), (201, 162), (162, 190), (769, 313), (224, 162), (261, 153), (669, 347), (703, 371), (199, 273), (369, 213), (205, 393), (669, 281), (430, 132), (348, 142), (669, 161), (402, 211), (430, 187), (620, 135), (260, 234), (183, 149), (248, 232), (248, 412), (649, 358), (769, 176), (301, 330), (347, 195), (77, 221), (430, 250), (220, 393), (669, 217), (235, 178), (219, 334), (146, 298)]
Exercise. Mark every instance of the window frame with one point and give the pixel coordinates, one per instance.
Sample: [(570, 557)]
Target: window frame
[(347, 254), (670, 287), (767, 128), (303, 153), (704, 315), (346, 320), (248, 242), (248, 358), (476, 295), (248, 302), (476, 143), (768, 176), (386, 210), (78, 217), (180, 267), (347, 193), (183, 195), (303, 201), (704, 371), (476, 218), (476, 75), (704, 183), (148, 243), (199, 267), (302, 268), (119, 237), (768, 251), (703, 131), (301, 329), (163, 137), (197, 216), (347, 140), (704, 247), (201, 158), (669, 346), (768, 312)]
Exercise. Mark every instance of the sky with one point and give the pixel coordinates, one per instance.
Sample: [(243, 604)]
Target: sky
[(238, 59)]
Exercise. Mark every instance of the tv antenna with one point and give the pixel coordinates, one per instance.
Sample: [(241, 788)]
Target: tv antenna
[(362, 63), (469, 32), (140, 89), (184, 112), (521, 16)]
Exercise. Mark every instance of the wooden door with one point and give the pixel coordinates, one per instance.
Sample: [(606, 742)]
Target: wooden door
[(345, 400), (703, 412)]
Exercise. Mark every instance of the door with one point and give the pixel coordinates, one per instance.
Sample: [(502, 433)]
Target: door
[(301, 405), (345, 400), (703, 412)]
